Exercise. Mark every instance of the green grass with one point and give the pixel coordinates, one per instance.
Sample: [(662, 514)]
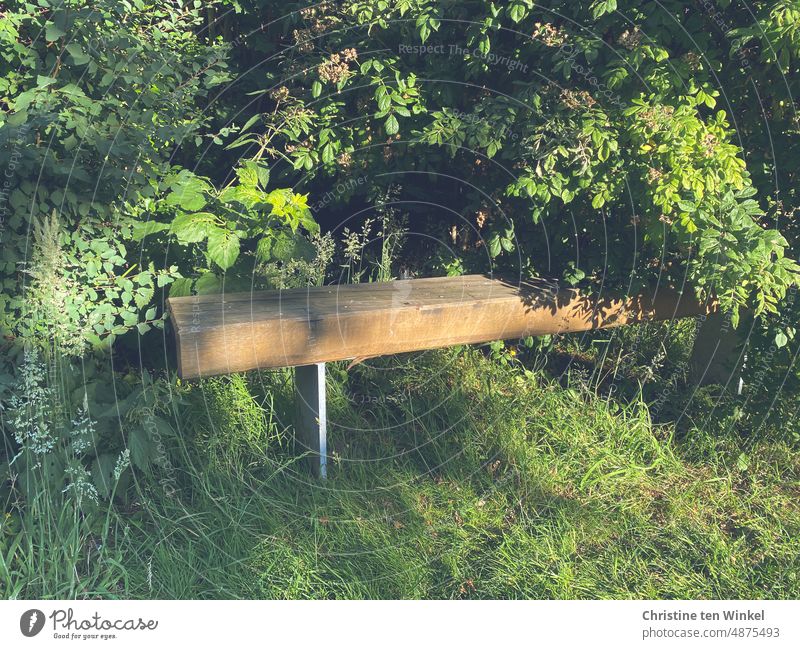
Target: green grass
[(465, 479)]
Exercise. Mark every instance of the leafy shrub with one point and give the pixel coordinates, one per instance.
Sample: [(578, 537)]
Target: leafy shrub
[(520, 114)]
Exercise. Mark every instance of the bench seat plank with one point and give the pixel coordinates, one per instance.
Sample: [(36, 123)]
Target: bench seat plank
[(233, 332)]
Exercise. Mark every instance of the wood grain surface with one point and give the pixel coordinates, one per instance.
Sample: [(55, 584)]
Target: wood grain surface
[(234, 332)]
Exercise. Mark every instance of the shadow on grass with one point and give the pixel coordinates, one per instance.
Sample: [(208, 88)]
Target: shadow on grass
[(459, 479)]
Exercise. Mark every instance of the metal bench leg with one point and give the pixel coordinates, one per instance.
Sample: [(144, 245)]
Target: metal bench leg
[(311, 422)]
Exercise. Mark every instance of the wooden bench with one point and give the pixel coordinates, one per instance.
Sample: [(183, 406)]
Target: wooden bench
[(305, 328)]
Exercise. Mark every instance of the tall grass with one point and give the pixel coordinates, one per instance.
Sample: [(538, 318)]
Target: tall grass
[(57, 536), (464, 478)]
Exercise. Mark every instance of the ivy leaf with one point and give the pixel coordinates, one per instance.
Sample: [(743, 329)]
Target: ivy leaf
[(223, 247), (517, 12)]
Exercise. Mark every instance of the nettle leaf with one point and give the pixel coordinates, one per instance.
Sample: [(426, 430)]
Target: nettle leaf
[(193, 228), (286, 246), (103, 473), (264, 248), (252, 176), (262, 170), (181, 287), (141, 447), (143, 296), (162, 279), (248, 174), (223, 248)]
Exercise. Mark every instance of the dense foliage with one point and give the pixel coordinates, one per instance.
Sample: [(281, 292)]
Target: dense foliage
[(590, 140)]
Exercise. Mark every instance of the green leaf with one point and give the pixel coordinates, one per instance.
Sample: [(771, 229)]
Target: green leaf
[(391, 125), (263, 174), (246, 195), (494, 246), (163, 279), (79, 57), (143, 296), (187, 200), (181, 287), (223, 247), (208, 284), (601, 7), (188, 191), (517, 12), (103, 473), (249, 123), (141, 447), (383, 99), (742, 462), (53, 32), (192, 228), (141, 230), (264, 248), (248, 173), (43, 81), (286, 247), (316, 89)]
